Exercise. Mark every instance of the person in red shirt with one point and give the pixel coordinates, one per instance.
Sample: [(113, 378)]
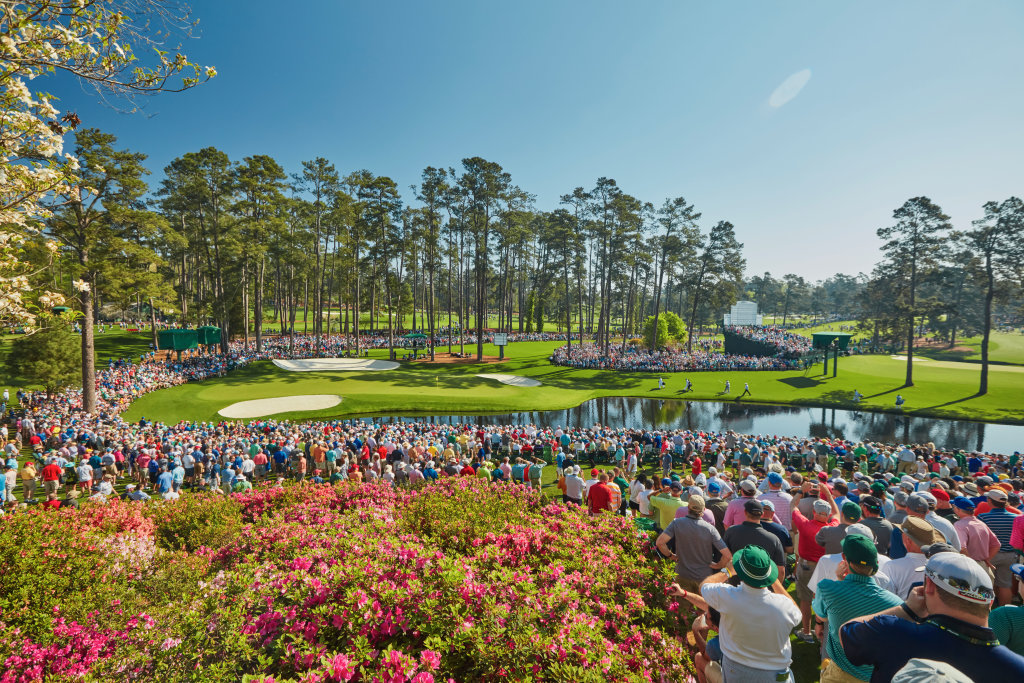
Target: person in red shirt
[(467, 470), (51, 501), (826, 513), (600, 496), (697, 466), (51, 477)]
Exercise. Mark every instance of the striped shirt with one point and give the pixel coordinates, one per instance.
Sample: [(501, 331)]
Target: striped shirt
[(840, 601), (782, 502), (1001, 523), (1007, 623)]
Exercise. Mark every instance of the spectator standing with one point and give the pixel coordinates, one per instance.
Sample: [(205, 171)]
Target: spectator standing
[(853, 594), (756, 619), (944, 620), (694, 541), (808, 551), (1000, 521), (1007, 622)]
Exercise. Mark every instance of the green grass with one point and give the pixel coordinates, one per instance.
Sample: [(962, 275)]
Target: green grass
[(1003, 347), (942, 389)]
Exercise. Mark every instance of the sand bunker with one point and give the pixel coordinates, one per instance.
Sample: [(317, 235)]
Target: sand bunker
[(916, 358), (282, 404), (335, 364), (514, 380)]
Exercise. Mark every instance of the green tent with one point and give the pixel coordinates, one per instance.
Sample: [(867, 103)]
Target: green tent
[(208, 334), (178, 340)]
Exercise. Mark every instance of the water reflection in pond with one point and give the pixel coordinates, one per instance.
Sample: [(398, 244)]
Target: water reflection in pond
[(752, 418)]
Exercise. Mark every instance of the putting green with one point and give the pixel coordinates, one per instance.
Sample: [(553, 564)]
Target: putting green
[(942, 388)]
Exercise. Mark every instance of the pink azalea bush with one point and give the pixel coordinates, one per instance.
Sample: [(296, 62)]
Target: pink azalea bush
[(458, 581)]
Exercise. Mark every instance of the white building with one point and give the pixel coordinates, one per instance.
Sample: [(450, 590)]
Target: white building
[(742, 313)]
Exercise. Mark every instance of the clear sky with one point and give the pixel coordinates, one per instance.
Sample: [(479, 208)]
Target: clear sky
[(803, 123)]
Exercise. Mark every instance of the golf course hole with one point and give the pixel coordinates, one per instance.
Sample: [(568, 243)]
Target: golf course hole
[(335, 364), (514, 380), (916, 358), (262, 407)]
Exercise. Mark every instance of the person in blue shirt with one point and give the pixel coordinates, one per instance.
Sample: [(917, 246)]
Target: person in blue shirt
[(429, 472), (164, 481), (945, 620)]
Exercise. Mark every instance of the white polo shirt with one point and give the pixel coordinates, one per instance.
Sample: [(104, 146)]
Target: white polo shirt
[(755, 624)]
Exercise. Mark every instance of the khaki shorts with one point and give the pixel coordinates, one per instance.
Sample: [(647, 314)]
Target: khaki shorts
[(1003, 576), (832, 673), (690, 585), (804, 570)]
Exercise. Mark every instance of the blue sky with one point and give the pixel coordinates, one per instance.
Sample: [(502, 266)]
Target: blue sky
[(668, 98)]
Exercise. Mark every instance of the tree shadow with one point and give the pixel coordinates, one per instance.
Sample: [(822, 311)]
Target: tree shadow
[(801, 382), (954, 401)]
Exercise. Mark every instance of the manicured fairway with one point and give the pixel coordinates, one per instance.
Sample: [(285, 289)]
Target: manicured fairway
[(941, 389)]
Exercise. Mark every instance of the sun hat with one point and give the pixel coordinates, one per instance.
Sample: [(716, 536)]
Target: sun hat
[(822, 506), (851, 510), (921, 532), (971, 488), (961, 576), (754, 567), (860, 551)]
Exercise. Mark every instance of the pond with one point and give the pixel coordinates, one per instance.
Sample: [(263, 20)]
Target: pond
[(756, 418)]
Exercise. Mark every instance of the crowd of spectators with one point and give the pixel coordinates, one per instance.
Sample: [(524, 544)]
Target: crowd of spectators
[(633, 358), (785, 343)]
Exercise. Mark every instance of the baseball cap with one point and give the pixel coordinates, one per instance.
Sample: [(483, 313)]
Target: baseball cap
[(985, 480), (860, 529), (774, 478), (961, 576), (997, 494), (768, 505), (1018, 569), (753, 507), (696, 504), (917, 504), (931, 500), (939, 494), (595, 472), (714, 487), (748, 486), (666, 481), (871, 503), (935, 548), (822, 506), (900, 498), (918, 670), (963, 503), (676, 486), (851, 510), (860, 550), (921, 532)]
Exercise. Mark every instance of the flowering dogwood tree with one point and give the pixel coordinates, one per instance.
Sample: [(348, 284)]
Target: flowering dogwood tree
[(118, 46)]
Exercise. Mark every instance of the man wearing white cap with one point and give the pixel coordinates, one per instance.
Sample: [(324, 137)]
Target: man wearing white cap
[(945, 620)]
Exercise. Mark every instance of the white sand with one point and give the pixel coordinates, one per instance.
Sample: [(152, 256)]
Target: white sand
[(335, 364), (514, 380), (282, 404), (916, 358)]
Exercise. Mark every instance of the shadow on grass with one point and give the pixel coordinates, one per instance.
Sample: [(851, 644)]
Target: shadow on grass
[(801, 382)]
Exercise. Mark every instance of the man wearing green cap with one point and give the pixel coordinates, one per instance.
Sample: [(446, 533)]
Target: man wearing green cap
[(756, 619), (853, 595)]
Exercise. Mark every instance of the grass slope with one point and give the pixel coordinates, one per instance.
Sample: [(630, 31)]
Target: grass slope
[(942, 389)]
